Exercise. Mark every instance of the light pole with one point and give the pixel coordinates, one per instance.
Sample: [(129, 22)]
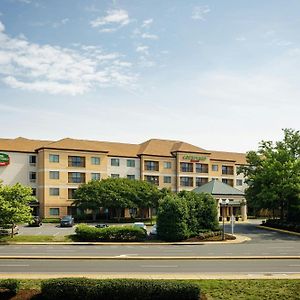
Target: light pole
[(223, 204)]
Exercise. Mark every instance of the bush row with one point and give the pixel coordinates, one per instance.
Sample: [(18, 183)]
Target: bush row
[(277, 223), (117, 289), (110, 234), (13, 285), (205, 235)]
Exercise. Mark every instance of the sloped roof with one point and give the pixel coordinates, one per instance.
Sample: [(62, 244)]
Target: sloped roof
[(216, 187), (113, 149), (167, 147), (238, 158), (21, 144)]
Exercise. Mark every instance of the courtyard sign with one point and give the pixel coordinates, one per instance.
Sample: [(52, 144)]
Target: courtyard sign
[(4, 159), (194, 158)]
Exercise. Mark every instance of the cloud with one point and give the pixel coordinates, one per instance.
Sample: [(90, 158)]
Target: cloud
[(240, 38), (142, 49), (56, 70), (147, 23), (116, 17), (149, 36), (199, 12), (60, 23)]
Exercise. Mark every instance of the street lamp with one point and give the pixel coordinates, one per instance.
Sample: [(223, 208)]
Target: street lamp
[(223, 204)]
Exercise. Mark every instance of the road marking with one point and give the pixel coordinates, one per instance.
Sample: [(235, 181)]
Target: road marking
[(294, 265), (14, 265), (56, 233), (159, 266), (125, 255)]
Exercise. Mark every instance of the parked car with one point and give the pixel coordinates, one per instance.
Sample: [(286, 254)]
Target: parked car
[(6, 229), (140, 225), (36, 222), (67, 221), (153, 230), (101, 226)]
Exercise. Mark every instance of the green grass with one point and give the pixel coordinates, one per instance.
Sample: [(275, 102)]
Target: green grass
[(264, 289), (34, 238)]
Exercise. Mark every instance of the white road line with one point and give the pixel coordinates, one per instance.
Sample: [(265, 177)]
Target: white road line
[(158, 266), (14, 265)]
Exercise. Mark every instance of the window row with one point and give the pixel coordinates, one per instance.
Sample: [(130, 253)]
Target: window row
[(155, 179), (75, 161), (115, 162), (150, 165)]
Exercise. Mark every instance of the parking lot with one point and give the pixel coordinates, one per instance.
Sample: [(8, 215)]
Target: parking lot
[(55, 229)]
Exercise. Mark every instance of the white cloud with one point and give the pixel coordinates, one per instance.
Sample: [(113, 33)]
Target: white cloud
[(240, 38), (116, 17), (149, 36), (147, 23), (199, 12), (142, 49), (56, 70), (60, 23)]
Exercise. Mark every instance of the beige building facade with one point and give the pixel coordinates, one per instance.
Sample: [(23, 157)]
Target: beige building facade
[(55, 169)]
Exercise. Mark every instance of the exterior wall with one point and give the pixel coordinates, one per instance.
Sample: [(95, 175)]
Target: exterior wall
[(122, 169)]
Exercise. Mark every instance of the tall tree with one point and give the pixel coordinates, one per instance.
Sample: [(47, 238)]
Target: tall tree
[(14, 205), (273, 176)]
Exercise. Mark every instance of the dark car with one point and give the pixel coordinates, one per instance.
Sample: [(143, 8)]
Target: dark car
[(67, 221), (101, 226), (36, 222)]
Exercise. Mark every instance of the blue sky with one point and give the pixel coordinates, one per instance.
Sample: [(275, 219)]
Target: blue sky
[(221, 75)]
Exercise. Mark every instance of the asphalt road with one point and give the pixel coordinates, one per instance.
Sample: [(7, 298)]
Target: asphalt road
[(153, 266)]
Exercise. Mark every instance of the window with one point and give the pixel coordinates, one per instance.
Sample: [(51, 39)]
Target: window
[(200, 181), (167, 179), (95, 176), (239, 182), (186, 181), (115, 162), (54, 174), (54, 211), (186, 167), (215, 168), (95, 160), (215, 178), (76, 177), (131, 163), (228, 170), (115, 175), (167, 165), (33, 192), (32, 160), (71, 193), (54, 158), (76, 161), (131, 177), (32, 176), (227, 181), (201, 168), (151, 165), (54, 191), (152, 179)]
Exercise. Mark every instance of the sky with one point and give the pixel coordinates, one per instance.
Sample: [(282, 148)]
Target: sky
[(221, 75)]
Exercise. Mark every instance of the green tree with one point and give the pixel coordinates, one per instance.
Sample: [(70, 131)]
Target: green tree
[(273, 176), (172, 218), (14, 205)]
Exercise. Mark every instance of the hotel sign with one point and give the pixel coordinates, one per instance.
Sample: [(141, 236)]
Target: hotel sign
[(4, 159), (194, 158)]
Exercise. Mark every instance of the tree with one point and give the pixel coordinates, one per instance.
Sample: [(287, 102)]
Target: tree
[(172, 218), (14, 205), (88, 196), (273, 176)]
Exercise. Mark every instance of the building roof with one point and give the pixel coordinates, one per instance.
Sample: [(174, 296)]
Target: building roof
[(216, 187), (21, 144), (153, 147)]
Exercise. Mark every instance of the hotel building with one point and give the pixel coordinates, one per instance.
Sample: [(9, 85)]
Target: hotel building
[(55, 169)]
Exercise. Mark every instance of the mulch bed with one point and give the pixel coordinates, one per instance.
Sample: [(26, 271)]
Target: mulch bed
[(217, 238), (21, 295)]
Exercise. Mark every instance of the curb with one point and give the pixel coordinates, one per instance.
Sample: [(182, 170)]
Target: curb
[(239, 239), (279, 230), (124, 257)]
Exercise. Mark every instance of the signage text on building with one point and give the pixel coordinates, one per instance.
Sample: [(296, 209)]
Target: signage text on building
[(4, 159), (194, 158)]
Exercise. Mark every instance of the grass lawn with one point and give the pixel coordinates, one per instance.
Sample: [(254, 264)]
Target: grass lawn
[(34, 238), (253, 289)]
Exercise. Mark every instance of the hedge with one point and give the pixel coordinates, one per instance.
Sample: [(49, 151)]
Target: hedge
[(110, 234), (13, 285), (119, 289), (277, 223)]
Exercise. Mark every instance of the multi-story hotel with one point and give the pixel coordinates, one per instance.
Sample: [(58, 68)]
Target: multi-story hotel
[(55, 169)]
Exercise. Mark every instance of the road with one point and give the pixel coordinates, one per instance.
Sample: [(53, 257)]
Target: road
[(289, 266)]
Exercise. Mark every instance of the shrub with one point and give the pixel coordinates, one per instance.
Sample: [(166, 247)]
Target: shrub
[(51, 220), (117, 289), (110, 234), (13, 285), (172, 219)]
